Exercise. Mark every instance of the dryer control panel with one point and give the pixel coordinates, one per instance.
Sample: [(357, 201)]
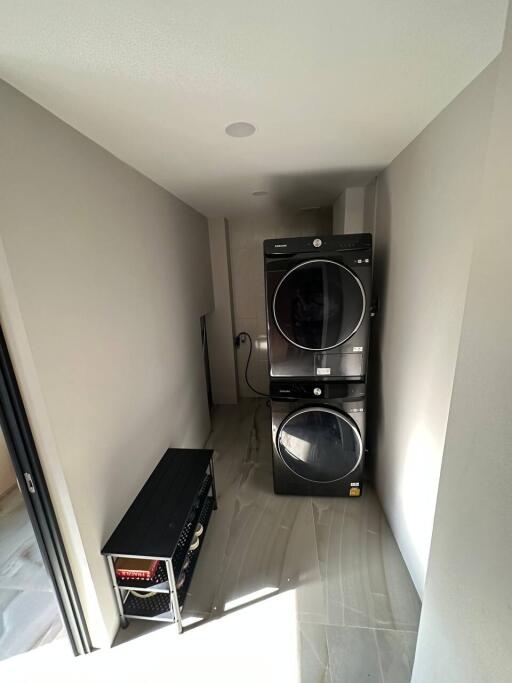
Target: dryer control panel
[(316, 244)]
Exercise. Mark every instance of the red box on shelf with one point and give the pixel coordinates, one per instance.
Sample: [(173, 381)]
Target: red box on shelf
[(136, 568)]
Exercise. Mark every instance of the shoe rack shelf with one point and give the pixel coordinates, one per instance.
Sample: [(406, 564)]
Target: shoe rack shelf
[(161, 524)]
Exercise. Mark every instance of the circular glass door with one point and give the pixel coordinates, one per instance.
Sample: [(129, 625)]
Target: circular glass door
[(319, 444), (318, 305)]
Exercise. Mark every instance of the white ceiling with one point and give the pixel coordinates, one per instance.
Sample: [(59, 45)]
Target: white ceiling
[(335, 88)]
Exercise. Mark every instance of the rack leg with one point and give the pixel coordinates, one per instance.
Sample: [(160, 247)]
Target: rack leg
[(117, 592), (174, 604), (214, 490)]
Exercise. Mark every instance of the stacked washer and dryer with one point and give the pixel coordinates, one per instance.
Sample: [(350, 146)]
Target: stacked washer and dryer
[(318, 293)]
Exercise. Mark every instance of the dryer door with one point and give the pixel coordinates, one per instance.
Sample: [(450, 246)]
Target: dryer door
[(319, 304), (319, 444)]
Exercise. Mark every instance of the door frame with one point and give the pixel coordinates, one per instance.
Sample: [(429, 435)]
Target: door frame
[(32, 484)]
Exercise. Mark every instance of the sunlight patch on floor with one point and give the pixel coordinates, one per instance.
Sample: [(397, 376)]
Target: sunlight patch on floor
[(251, 597), (252, 643)]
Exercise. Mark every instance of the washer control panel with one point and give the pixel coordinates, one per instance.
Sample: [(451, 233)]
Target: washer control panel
[(287, 390)]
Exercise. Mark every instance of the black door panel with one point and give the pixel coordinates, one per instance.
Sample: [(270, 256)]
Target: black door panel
[(318, 305), (319, 444)]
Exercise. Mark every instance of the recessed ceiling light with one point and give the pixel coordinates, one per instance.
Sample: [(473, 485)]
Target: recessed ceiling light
[(240, 129), (260, 193)]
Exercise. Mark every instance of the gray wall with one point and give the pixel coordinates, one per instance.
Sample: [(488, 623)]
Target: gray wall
[(426, 219), (466, 625), (221, 348), (103, 279), (246, 235), (338, 215)]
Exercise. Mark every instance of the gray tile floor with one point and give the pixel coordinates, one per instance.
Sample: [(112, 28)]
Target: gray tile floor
[(29, 615), (356, 610), (286, 589)]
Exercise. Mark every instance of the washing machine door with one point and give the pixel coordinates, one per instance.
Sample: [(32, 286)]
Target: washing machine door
[(319, 444), (319, 304)]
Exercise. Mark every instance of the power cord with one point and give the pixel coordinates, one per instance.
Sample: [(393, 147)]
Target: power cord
[(238, 340)]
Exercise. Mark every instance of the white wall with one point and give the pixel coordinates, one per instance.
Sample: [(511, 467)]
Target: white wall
[(246, 235), (354, 210), (466, 623), (370, 206), (426, 220), (221, 350), (103, 278), (7, 475)]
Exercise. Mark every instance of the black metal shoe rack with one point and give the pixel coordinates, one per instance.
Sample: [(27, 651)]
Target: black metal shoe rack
[(160, 524)]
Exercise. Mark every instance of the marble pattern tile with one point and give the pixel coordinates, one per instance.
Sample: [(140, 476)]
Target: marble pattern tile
[(28, 619), (353, 654), (396, 654), (29, 614), (356, 610), (348, 654), (362, 566), (314, 654)]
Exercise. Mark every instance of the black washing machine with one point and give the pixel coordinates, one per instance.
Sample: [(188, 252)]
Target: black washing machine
[(318, 436), (318, 306)]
